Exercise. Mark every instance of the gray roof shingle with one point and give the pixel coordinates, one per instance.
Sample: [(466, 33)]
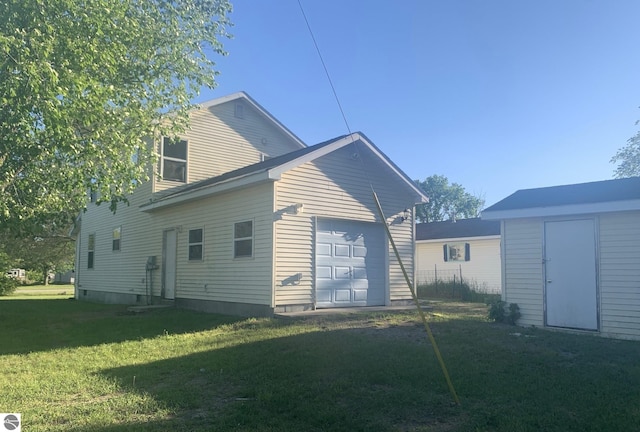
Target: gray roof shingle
[(473, 227), (581, 193)]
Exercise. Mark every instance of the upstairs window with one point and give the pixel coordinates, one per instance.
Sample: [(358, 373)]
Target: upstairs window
[(115, 242), (196, 242), (174, 160), (91, 250), (457, 251), (243, 239)]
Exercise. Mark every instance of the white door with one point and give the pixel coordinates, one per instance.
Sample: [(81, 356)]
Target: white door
[(570, 270), (169, 264), (350, 264)]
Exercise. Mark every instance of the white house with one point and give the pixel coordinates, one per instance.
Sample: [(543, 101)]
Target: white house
[(465, 248), (244, 218), (571, 256)]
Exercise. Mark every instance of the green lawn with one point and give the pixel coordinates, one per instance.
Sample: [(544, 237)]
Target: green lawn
[(73, 366)]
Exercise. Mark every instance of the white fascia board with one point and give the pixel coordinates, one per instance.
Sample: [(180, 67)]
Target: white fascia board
[(459, 239), (206, 191), (576, 209), (266, 114)]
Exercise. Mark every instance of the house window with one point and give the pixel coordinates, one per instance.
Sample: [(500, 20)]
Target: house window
[(457, 251), (93, 196), (115, 240), (243, 239), (196, 242), (91, 250), (174, 160)]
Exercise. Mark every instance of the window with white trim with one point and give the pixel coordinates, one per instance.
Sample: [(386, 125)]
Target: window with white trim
[(91, 246), (456, 251), (174, 160), (196, 244), (115, 239), (243, 239)]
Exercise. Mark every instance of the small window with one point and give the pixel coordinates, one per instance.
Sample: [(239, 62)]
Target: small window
[(238, 111), (115, 242), (196, 242), (243, 239), (93, 196), (91, 250), (174, 160), (457, 251)]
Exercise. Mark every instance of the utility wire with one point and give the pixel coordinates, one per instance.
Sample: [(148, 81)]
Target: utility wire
[(326, 71), (384, 221)]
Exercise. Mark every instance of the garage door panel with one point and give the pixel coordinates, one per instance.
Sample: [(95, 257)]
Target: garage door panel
[(360, 273), (343, 295), (323, 272), (323, 249), (356, 262)]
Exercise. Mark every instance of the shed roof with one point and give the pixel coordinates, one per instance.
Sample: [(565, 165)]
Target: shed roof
[(462, 228), (593, 197)]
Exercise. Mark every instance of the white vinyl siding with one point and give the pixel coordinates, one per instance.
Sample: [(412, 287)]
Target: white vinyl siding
[(620, 274), (522, 243), (220, 142), (335, 186), (220, 277), (482, 270)]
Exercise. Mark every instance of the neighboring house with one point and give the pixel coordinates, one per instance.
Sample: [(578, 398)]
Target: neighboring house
[(467, 248), (244, 218), (571, 256)]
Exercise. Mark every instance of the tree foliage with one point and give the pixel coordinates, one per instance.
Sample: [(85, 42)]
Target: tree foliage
[(45, 253), (446, 201), (628, 158), (83, 83)]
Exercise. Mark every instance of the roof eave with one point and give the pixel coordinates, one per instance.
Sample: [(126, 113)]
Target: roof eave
[(565, 210), (206, 191)]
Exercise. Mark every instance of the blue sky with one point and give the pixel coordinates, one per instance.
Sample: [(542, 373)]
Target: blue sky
[(497, 95)]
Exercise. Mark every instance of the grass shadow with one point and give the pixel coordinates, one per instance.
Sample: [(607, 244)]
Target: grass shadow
[(41, 324)]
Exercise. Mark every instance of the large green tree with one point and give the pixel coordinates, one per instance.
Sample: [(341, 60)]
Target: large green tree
[(46, 253), (446, 201), (83, 83), (628, 158)]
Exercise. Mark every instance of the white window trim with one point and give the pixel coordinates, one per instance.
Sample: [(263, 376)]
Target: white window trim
[(173, 159), (189, 244), (93, 263), (113, 232), (252, 238)]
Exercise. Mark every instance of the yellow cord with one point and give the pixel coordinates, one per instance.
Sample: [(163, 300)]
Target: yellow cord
[(415, 299)]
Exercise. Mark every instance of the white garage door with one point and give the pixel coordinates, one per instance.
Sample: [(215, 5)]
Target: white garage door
[(350, 264)]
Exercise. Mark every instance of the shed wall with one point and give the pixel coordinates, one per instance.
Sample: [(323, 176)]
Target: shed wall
[(522, 240), (620, 274)]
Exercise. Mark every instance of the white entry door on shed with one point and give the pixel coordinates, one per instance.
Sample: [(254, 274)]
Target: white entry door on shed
[(350, 264), (570, 274)]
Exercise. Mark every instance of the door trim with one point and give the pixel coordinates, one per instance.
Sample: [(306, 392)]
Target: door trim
[(163, 294), (596, 244)]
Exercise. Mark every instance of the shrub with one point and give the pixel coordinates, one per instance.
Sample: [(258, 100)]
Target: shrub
[(499, 312), (7, 285)]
